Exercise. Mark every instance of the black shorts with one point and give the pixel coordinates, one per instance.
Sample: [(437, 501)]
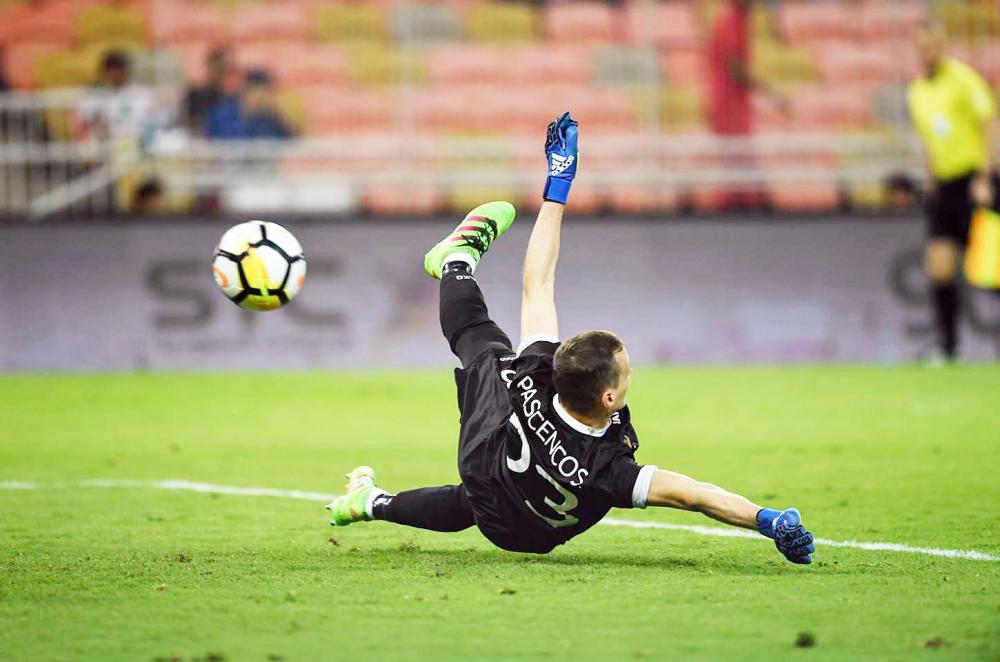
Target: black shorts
[(485, 406), (949, 209)]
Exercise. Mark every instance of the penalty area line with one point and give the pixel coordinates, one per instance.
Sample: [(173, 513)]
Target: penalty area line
[(233, 490)]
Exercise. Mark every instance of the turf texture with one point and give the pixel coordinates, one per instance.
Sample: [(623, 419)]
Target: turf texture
[(888, 454)]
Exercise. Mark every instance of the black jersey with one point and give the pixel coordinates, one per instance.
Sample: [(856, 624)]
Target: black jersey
[(540, 477)]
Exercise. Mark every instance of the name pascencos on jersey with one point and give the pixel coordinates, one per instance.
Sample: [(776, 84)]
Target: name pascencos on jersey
[(567, 465)]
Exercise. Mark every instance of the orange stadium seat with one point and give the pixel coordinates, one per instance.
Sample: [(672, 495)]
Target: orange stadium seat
[(191, 56), (192, 22), (544, 64), (823, 107), (987, 61), (579, 22), (395, 199), (466, 65), (804, 196), (668, 25), (38, 27), (313, 65), (22, 59), (296, 64), (635, 199), (880, 19), (905, 56), (345, 110), (270, 22), (684, 68), (443, 109), (807, 21), (515, 113), (848, 62), (597, 109)]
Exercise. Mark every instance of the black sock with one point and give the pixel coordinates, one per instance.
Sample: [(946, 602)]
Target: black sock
[(945, 297), (379, 503), (456, 267), (432, 508)]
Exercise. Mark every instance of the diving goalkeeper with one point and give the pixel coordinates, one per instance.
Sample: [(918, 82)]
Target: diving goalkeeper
[(547, 445)]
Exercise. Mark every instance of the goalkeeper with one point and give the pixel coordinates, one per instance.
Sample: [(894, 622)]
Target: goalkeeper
[(547, 446)]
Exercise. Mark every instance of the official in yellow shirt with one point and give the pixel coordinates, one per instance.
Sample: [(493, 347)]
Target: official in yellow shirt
[(954, 112)]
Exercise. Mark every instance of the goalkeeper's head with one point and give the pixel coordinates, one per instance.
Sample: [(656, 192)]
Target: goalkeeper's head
[(591, 373)]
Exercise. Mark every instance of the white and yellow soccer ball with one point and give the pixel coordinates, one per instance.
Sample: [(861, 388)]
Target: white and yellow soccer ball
[(259, 265)]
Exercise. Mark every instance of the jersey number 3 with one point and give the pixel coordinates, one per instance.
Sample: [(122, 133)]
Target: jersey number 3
[(522, 464)]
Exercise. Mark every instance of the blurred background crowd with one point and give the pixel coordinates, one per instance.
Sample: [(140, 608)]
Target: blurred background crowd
[(428, 106)]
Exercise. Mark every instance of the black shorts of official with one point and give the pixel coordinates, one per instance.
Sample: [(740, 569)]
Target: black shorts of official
[(485, 406), (949, 209)]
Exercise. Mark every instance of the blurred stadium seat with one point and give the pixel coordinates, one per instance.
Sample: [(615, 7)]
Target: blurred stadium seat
[(105, 23), (581, 22), (668, 26), (502, 22), (345, 110), (350, 23), (809, 21), (192, 22), (272, 22)]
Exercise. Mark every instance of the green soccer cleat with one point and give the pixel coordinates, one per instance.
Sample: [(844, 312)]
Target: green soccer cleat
[(353, 506), (473, 236)]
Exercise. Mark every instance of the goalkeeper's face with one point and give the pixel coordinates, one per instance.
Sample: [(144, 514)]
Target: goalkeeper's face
[(614, 398)]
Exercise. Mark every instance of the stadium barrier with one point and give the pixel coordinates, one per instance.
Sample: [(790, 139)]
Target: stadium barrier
[(47, 171), (107, 296)]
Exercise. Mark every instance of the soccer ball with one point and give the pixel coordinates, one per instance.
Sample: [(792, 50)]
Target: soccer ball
[(259, 265)]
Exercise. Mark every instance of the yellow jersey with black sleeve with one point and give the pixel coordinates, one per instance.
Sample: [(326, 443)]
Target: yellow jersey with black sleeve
[(948, 110)]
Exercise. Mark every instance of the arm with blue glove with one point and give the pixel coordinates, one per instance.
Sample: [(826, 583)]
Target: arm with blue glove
[(562, 155), (784, 527)]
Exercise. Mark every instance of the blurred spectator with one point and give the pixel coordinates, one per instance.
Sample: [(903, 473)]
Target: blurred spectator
[(731, 84), (251, 115), (901, 192), (148, 198), (114, 107), (953, 111), (200, 99)]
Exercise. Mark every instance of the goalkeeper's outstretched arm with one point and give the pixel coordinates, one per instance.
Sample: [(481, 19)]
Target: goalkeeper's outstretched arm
[(538, 300), (674, 490), (538, 287)]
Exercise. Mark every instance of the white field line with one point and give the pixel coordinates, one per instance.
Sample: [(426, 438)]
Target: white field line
[(209, 488)]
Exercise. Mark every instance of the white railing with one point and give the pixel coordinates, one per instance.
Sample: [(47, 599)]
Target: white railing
[(45, 172)]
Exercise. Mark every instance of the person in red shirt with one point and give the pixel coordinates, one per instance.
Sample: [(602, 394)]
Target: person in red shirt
[(730, 90)]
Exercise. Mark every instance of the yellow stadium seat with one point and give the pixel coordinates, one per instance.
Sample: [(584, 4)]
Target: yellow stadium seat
[(104, 23), (293, 109), (375, 64), (65, 69), (349, 23), (502, 22), (964, 20), (778, 63), (669, 106)]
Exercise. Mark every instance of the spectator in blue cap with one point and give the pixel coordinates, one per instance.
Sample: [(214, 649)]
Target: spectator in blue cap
[(253, 114)]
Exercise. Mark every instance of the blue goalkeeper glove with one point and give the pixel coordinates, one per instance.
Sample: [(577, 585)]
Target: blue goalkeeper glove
[(785, 528), (560, 150)]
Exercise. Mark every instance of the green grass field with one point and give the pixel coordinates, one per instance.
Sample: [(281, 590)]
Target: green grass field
[(903, 455)]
